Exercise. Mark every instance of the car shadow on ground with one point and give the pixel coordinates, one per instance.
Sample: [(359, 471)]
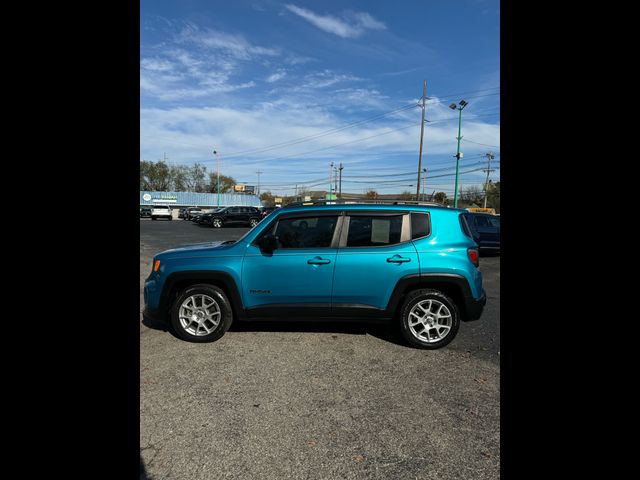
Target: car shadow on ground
[(387, 332), (143, 471)]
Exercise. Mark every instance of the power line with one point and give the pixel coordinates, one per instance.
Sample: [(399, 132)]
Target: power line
[(317, 135), (338, 129), (478, 143)]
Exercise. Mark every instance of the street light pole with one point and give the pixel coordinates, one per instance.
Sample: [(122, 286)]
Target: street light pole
[(217, 155), (453, 106)]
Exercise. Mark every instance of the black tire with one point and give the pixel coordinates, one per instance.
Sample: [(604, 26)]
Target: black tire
[(213, 223), (253, 222), (153, 218), (223, 303), (425, 294)]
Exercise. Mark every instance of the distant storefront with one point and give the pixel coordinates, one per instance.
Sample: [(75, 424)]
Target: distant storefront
[(192, 199)]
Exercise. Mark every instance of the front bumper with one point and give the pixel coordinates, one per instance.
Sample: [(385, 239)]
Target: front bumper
[(153, 315)]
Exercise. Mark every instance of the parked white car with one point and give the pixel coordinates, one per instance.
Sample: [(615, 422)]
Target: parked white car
[(161, 211)]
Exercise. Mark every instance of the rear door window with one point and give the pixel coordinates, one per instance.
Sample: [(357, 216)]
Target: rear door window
[(372, 231)]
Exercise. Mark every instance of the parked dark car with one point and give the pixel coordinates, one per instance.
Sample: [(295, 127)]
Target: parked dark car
[(266, 211), (191, 212), (205, 218), (485, 229), (145, 212), (235, 216)]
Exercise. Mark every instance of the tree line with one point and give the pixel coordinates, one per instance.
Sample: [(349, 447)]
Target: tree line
[(161, 177)]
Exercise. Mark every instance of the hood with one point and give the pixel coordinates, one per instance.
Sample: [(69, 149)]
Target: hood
[(198, 248)]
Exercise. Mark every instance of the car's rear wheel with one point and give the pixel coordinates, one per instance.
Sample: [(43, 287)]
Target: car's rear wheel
[(153, 218), (429, 319), (253, 222), (216, 222), (201, 313)]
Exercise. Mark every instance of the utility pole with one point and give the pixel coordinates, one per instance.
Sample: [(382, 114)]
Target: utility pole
[(335, 179), (424, 185), (258, 172), (340, 190), (423, 106), (490, 156), (330, 179), (217, 155)]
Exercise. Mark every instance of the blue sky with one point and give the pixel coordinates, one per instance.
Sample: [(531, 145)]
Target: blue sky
[(277, 87)]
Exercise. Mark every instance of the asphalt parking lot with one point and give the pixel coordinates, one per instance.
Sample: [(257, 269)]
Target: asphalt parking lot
[(316, 401)]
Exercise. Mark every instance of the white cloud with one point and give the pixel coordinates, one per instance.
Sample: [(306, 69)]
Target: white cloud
[(274, 77), (326, 78), (188, 134), (234, 45), (352, 25), (198, 63)]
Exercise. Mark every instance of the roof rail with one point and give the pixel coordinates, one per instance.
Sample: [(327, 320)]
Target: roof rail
[(363, 202)]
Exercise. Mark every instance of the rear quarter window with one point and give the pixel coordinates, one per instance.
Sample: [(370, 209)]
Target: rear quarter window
[(420, 225)]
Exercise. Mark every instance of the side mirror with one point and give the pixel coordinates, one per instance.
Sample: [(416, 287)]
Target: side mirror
[(268, 243)]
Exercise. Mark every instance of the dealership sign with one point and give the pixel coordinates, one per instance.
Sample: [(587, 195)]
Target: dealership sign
[(160, 198)]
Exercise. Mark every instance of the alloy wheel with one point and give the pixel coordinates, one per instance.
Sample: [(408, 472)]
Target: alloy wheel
[(430, 321), (199, 315)]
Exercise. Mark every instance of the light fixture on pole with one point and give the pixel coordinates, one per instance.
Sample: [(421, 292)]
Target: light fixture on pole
[(459, 107)]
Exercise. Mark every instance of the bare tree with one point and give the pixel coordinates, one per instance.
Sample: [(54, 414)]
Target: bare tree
[(473, 194), (154, 176), (371, 194)]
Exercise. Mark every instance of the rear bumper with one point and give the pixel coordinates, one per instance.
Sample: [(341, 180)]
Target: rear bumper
[(474, 307)]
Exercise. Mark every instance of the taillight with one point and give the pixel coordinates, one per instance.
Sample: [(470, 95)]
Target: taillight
[(474, 256)]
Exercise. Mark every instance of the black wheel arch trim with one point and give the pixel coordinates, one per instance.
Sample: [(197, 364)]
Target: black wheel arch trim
[(470, 308), (223, 279)]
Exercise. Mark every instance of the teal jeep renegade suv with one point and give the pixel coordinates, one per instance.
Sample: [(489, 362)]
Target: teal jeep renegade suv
[(410, 263)]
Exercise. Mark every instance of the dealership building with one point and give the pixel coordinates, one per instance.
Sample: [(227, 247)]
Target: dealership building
[(178, 200)]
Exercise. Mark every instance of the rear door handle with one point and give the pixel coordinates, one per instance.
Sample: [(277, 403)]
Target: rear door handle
[(318, 261), (398, 259)]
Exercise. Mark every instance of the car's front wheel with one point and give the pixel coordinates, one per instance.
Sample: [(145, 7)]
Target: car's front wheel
[(216, 222), (201, 313), (253, 222), (429, 319)]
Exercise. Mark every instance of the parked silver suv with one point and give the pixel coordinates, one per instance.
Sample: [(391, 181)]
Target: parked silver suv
[(161, 211)]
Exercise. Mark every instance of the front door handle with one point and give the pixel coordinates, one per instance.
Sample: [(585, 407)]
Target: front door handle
[(318, 261), (398, 259)]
